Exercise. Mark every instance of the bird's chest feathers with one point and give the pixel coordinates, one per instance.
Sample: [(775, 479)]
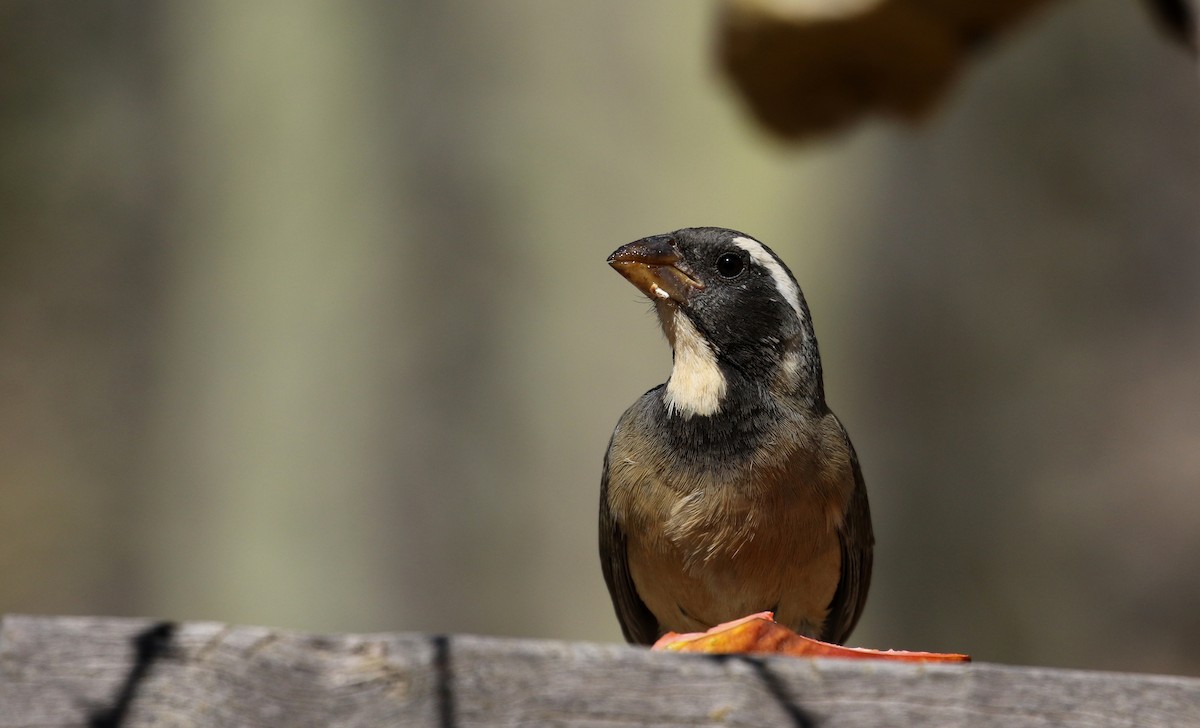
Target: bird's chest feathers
[(711, 543), (731, 526), (786, 499), (720, 552)]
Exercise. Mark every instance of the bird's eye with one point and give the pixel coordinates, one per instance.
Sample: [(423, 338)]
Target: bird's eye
[(729, 265)]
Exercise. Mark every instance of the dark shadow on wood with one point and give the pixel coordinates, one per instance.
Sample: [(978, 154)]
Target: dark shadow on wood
[(443, 681), (798, 716), (149, 646)]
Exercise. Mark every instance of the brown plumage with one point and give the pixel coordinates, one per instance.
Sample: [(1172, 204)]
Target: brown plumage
[(732, 488)]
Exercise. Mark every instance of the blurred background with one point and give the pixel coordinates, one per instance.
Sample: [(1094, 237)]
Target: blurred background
[(305, 320)]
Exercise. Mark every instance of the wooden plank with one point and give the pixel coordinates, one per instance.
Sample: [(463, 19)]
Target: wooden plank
[(102, 672)]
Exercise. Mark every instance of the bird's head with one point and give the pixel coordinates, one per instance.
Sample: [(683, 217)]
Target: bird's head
[(732, 311)]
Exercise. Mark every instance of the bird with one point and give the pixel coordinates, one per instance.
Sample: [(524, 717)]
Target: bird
[(731, 488)]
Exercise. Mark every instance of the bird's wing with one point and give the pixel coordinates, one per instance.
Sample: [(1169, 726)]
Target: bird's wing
[(858, 542), (637, 623)]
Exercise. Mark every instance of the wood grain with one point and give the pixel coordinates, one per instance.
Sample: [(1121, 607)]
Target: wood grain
[(102, 672)]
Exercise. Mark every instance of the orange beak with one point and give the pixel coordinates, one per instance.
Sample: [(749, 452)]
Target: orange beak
[(656, 267)]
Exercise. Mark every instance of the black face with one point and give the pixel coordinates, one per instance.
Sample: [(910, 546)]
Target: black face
[(744, 309)]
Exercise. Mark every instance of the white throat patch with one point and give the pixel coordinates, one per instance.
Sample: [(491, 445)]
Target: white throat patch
[(697, 385), (783, 282)]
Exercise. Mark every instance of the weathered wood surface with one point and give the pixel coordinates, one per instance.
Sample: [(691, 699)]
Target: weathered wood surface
[(122, 672)]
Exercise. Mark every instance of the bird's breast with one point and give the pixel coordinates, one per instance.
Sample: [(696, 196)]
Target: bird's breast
[(706, 548)]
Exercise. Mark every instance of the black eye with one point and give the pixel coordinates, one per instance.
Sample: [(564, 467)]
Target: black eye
[(729, 265)]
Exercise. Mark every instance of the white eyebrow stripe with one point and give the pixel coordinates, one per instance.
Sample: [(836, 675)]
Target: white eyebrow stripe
[(783, 282)]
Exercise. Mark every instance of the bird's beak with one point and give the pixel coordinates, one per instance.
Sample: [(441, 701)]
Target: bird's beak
[(655, 266)]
